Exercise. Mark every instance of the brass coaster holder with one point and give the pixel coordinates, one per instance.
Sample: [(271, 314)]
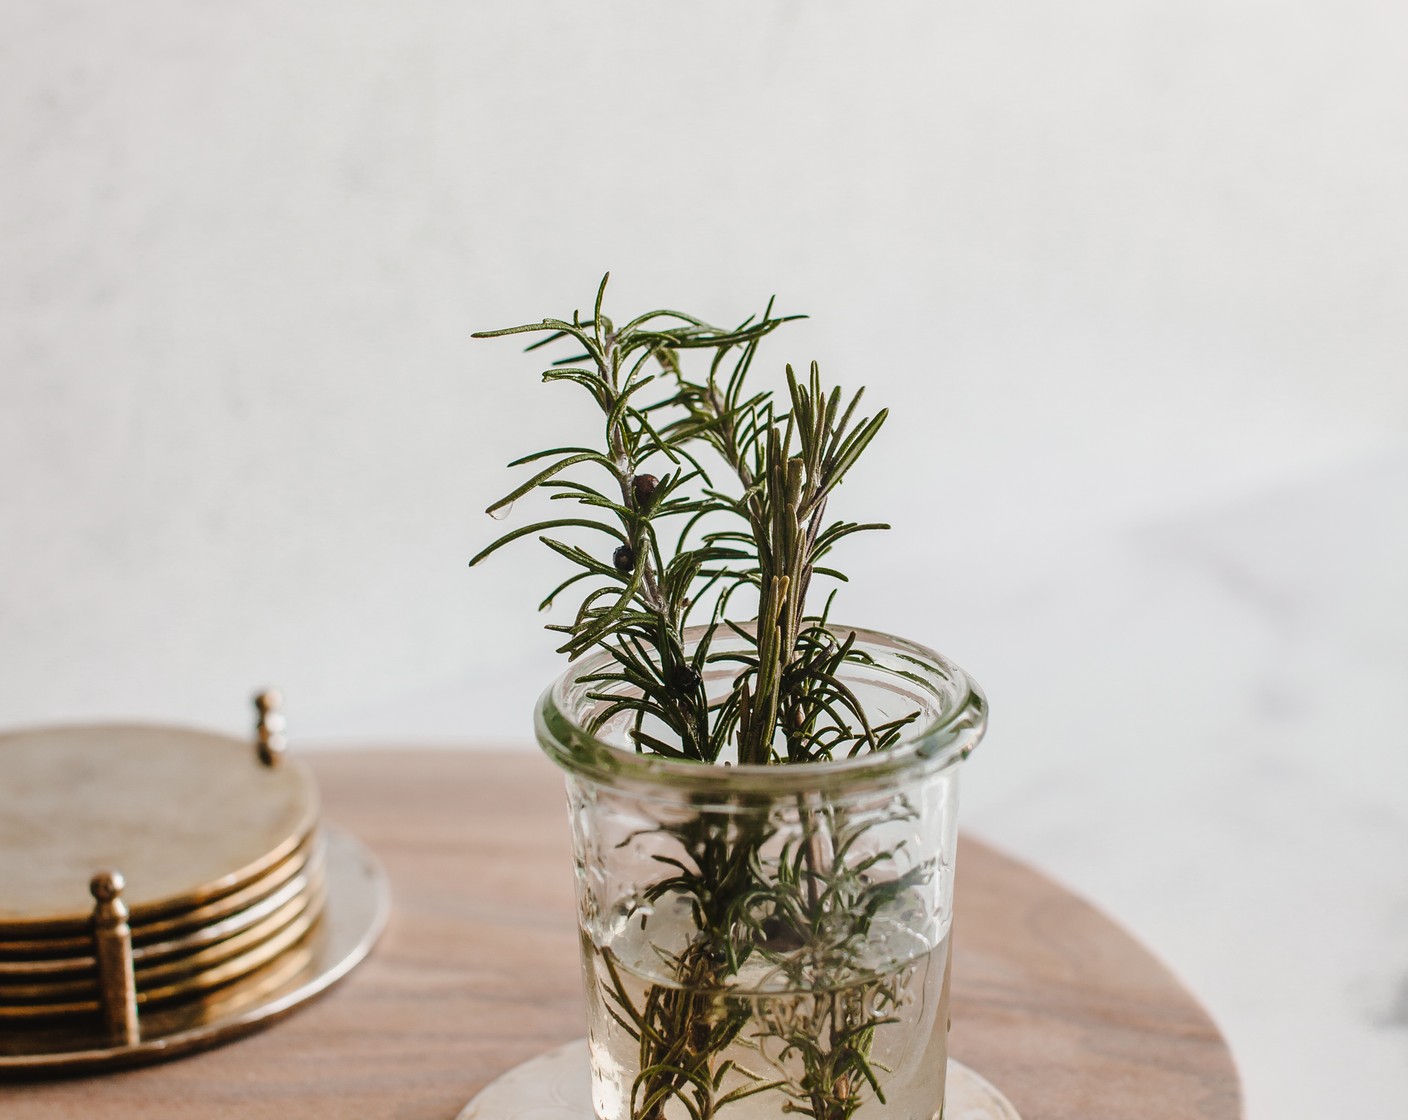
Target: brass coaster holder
[(218, 899)]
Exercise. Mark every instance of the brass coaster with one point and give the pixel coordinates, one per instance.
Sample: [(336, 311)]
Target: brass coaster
[(353, 916), (53, 955), (557, 1086), (187, 816), (214, 957)]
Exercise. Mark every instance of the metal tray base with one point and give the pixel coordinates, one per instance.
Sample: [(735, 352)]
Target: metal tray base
[(358, 903), (557, 1086)]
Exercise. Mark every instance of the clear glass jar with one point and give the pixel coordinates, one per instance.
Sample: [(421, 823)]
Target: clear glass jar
[(769, 941)]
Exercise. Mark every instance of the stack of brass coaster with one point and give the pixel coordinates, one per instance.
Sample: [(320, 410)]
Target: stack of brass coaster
[(163, 889)]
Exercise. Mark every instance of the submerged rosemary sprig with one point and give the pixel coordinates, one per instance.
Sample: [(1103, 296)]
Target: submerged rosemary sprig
[(765, 534)]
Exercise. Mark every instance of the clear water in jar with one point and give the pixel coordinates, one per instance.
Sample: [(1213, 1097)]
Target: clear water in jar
[(675, 1034)]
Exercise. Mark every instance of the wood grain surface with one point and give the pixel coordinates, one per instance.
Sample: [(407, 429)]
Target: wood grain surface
[(478, 971)]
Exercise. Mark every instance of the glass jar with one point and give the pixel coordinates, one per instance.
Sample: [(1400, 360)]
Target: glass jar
[(769, 941)]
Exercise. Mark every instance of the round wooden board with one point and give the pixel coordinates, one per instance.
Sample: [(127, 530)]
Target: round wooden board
[(1054, 1004)]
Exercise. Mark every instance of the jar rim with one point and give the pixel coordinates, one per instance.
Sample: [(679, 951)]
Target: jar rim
[(924, 747)]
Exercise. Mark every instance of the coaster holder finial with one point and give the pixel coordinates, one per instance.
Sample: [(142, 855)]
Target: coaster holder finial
[(269, 729), (112, 949)]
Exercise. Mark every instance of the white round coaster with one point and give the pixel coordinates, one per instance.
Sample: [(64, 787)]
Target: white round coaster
[(557, 1086)]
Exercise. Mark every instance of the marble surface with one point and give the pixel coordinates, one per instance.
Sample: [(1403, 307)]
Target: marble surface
[(1207, 734)]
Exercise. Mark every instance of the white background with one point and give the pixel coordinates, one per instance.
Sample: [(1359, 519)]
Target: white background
[(1130, 275)]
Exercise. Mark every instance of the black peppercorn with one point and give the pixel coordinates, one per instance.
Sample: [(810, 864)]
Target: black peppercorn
[(684, 678), (645, 486), (624, 558)]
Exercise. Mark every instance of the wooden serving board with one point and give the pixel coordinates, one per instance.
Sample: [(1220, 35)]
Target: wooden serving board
[(1052, 1002)]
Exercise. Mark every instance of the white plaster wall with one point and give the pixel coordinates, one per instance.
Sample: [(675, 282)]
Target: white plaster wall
[(1131, 276)]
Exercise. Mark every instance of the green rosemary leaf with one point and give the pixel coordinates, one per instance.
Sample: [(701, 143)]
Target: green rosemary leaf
[(840, 530), (571, 373), (851, 450), (553, 337), (556, 328), (551, 451), (748, 1091), (601, 627), (661, 747), (622, 400), (570, 358), (658, 442), (596, 312), (543, 475), (584, 496), (640, 320), (558, 523), (582, 377), (561, 587)]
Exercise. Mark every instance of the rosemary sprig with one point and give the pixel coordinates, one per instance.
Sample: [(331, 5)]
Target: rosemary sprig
[(787, 702)]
